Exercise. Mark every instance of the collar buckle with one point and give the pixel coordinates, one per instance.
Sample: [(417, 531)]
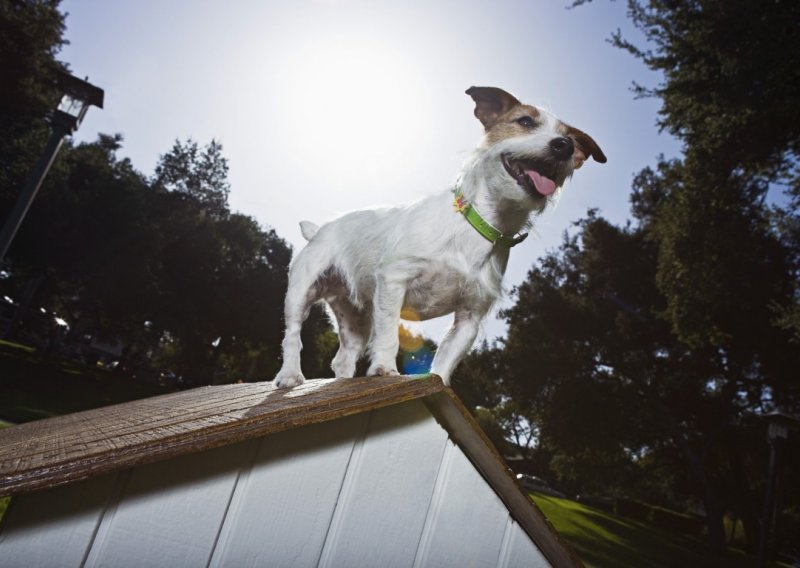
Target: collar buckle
[(486, 229)]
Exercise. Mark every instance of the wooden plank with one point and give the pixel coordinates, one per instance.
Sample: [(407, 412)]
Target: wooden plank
[(387, 491), (283, 505), (58, 450), (519, 551), (169, 513), (467, 520), (54, 528), (466, 432)]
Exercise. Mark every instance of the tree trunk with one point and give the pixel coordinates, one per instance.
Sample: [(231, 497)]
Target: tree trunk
[(713, 508), (714, 520)]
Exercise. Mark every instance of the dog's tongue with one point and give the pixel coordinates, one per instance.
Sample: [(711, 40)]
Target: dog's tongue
[(544, 185)]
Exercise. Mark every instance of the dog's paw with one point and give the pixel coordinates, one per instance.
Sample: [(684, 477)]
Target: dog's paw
[(382, 371), (289, 380)]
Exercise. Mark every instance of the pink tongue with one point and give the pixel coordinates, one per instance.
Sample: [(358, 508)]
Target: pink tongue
[(544, 185)]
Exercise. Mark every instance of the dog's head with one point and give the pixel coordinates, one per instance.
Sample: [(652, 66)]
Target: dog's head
[(527, 148)]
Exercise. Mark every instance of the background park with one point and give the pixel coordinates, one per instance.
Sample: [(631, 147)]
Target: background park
[(647, 341)]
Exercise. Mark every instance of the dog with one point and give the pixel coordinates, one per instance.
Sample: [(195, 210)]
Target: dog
[(445, 254)]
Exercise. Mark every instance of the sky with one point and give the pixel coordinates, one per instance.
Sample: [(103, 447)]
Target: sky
[(328, 106)]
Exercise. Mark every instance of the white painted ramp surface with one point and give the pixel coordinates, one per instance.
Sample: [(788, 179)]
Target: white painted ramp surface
[(283, 506), (56, 527), (382, 488), (388, 489), (168, 513)]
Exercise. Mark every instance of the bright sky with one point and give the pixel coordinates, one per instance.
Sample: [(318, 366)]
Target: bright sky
[(326, 106)]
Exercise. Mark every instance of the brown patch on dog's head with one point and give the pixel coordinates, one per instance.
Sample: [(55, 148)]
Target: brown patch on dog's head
[(585, 145), (520, 120), (491, 103)]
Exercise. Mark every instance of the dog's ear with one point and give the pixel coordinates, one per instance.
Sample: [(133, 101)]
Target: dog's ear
[(491, 103), (587, 144)]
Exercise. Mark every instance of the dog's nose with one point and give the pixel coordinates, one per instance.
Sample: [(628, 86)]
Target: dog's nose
[(562, 147)]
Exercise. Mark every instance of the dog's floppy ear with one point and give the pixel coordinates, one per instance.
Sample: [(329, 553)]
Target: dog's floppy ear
[(491, 103), (587, 144)]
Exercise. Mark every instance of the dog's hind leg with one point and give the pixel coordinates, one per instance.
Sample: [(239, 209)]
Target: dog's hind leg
[(353, 333), (384, 343), (302, 293)]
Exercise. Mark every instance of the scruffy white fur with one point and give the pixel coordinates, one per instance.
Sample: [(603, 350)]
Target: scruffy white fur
[(369, 265)]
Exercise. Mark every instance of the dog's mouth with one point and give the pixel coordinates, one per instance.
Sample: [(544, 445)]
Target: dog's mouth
[(534, 176)]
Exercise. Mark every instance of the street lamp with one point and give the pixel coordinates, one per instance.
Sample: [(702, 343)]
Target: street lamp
[(76, 97), (778, 425)]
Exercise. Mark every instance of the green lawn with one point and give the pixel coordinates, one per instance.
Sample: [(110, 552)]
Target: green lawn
[(603, 540), (34, 386)]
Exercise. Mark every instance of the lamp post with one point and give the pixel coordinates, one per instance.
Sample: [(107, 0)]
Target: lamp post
[(778, 425), (76, 97)]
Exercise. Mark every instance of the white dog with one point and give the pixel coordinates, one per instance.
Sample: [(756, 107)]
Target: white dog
[(438, 256)]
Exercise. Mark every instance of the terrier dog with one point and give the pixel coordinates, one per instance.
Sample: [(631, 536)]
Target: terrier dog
[(439, 256)]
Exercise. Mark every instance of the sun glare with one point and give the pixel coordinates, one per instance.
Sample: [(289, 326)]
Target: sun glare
[(350, 102)]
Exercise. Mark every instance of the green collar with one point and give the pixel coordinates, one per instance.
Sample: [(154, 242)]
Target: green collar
[(482, 225)]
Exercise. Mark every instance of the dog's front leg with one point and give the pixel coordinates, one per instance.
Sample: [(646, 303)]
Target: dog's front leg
[(387, 304), (456, 342)]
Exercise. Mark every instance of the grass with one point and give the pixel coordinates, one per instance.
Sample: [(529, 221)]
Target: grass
[(603, 540), (35, 386)]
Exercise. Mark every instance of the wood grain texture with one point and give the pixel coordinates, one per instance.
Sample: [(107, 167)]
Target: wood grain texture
[(50, 452), (466, 432)]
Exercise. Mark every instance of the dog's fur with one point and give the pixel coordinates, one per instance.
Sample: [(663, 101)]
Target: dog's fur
[(426, 259)]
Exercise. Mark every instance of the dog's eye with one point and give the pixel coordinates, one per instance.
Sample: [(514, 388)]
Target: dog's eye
[(526, 121)]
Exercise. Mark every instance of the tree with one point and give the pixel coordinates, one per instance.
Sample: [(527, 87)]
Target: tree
[(727, 265), (200, 175), (729, 91), (613, 390), (31, 34), (730, 81), (86, 240)]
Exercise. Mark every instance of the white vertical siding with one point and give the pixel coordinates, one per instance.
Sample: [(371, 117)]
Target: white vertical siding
[(467, 520), (385, 498), (385, 488), (284, 503), (519, 550), (53, 528), (169, 513)]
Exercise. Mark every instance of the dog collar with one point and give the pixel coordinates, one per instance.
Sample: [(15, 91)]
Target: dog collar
[(481, 225)]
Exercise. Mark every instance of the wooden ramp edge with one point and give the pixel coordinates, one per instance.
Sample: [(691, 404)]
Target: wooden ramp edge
[(55, 451), (465, 431)]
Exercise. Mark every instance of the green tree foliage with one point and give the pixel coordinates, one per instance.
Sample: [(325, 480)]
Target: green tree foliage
[(615, 399), (198, 174), (88, 236), (120, 256), (731, 80), (729, 92), (31, 34), (160, 264), (641, 353)]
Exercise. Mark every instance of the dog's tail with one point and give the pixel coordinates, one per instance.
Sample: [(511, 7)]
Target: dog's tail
[(308, 229)]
